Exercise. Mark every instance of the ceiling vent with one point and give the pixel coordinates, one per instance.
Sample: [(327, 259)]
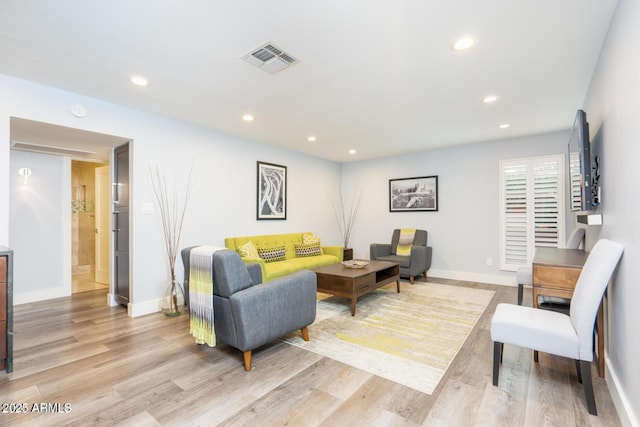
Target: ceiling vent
[(270, 58), (49, 149)]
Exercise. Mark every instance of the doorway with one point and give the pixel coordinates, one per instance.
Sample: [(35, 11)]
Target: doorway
[(89, 238), (71, 238)]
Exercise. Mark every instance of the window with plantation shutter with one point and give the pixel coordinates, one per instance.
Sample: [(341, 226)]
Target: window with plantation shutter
[(574, 174), (532, 208)]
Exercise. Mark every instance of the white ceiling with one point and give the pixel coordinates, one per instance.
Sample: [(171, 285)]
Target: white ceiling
[(375, 76)]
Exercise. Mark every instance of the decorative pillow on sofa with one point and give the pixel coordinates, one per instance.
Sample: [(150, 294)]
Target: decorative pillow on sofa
[(310, 249), (307, 239), (248, 250), (272, 254)]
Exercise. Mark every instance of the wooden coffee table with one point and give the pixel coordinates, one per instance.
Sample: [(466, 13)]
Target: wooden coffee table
[(336, 279)]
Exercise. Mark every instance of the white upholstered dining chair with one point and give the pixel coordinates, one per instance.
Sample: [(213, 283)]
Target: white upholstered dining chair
[(556, 333), (524, 275)]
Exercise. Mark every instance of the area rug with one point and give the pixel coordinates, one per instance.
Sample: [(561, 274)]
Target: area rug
[(410, 338)]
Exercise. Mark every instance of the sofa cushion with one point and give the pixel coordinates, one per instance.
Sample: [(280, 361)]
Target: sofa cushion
[(311, 262), (248, 250), (291, 265), (305, 250), (272, 254), (404, 261)]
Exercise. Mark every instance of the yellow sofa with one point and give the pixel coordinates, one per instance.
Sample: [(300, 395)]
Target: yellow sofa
[(292, 263)]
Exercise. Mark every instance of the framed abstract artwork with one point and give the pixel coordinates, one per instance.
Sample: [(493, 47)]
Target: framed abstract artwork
[(272, 191), (413, 194)]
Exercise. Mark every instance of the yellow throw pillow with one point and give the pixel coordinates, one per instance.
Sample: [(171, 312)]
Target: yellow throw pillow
[(248, 250), (405, 241), (308, 239)]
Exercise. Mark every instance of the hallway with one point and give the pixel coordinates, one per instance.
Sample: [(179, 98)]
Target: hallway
[(84, 227), (83, 280)]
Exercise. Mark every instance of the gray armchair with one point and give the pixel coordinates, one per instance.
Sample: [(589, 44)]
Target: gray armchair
[(249, 314), (417, 263)]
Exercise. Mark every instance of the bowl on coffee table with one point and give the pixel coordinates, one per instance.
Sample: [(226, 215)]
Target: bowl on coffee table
[(355, 263)]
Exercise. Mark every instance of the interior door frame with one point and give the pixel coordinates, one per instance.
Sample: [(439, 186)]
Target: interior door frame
[(103, 225), (112, 297)]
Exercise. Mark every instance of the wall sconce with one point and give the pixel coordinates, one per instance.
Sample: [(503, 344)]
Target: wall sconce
[(26, 173)]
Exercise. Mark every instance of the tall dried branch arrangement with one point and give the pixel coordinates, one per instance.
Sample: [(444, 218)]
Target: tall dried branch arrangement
[(172, 208), (347, 218)]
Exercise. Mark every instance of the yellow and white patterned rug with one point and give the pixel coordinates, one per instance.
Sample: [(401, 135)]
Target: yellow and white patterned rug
[(410, 338)]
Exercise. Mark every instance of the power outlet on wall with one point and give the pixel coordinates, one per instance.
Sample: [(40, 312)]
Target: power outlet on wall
[(489, 261)]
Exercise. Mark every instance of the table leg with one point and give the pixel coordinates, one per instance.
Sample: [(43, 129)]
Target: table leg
[(353, 305), (398, 285)]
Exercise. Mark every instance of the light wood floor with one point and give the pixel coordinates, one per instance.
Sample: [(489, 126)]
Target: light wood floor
[(111, 369), (85, 281)]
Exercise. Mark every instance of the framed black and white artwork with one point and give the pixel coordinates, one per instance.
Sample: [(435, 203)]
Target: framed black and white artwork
[(272, 191), (413, 194)]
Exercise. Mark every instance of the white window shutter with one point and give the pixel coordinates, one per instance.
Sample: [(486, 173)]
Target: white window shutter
[(546, 187), (574, 174), (514, 211), (532, 208)]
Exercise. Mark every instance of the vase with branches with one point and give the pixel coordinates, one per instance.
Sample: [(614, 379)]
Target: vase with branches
[(172, 206), (346, 218)]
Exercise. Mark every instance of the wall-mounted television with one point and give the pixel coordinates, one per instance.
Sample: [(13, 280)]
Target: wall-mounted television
[(581, 196)]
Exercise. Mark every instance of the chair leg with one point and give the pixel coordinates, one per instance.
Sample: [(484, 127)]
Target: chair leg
[(247, 360), (411, 279), (585, 370), (578, 370), (305, 333), (520, 289), (497, 357), (424, 274)]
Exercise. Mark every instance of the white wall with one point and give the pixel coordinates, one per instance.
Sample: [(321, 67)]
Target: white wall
[(465, 230), (4, 179), (224, 197), (39, 217), (613, 110), (463, 233)]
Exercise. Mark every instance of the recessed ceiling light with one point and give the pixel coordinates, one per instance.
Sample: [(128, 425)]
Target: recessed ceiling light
[(352, 151), (489, 99), (247, 118), (312, 139), (504, 126), (139, 81), (463, 43)]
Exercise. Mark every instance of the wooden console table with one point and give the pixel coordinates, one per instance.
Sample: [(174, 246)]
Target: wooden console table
[(555, 274)]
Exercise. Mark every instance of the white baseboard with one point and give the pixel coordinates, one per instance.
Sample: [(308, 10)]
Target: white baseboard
[(133, 310), (143, 308), (493, 279), (136, 309), (620, 399), (111, 300), (27, 297)]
